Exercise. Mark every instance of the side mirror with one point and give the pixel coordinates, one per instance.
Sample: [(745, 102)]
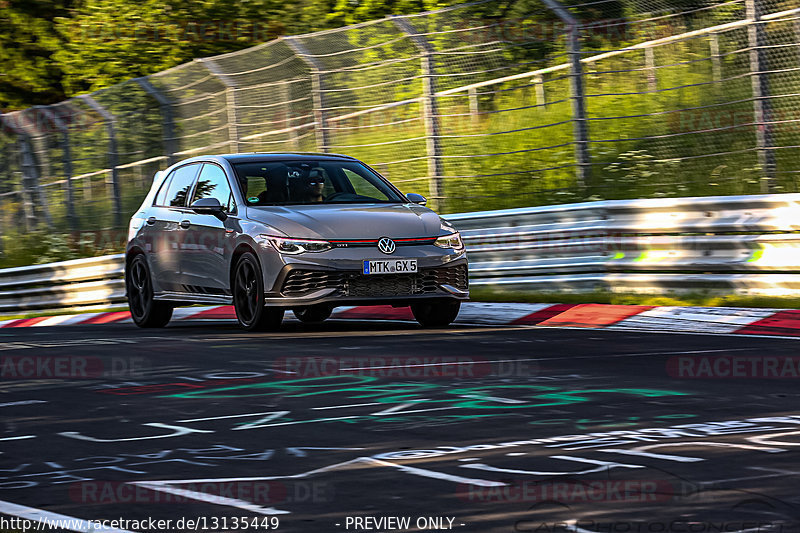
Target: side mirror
[(209, 206), (416, 198)]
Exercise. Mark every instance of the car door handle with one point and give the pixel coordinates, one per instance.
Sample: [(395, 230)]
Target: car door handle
[(185, 224), (150, 221)]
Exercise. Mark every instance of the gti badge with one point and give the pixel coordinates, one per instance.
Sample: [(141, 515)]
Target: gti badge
[(386, 245)]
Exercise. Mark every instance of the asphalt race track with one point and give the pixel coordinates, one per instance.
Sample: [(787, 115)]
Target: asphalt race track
[(359, 426)]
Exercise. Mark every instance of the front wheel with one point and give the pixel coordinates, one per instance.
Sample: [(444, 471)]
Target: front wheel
[(313, 314), (145, 311), (248, 297), (437, 313)]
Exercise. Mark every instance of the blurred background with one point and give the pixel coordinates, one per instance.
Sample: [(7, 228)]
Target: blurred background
[(489, 105)]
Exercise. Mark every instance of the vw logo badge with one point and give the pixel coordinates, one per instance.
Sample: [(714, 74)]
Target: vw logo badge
[(386, 245)]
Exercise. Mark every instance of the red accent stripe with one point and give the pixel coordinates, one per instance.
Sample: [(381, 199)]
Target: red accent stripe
[(375, 241), (594, 315), (222, 312), (379, 312), (786, 323), (109, 317), (542, 315), (25, 322)]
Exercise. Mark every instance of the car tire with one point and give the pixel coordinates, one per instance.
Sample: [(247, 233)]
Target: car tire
[(248, 297), (145, 311), (437, 313), (313, 314)]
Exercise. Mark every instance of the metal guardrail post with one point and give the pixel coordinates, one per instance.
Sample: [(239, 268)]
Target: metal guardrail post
[(317, 86), (762, 107), (578, 93), (230, 101), (113, 162), (167, 118), (66, 160), (430, 111)]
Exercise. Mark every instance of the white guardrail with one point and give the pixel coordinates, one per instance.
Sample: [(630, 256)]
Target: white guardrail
[(718, 245)]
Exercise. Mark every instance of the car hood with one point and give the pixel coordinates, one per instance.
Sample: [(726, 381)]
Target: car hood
[(346, 221)]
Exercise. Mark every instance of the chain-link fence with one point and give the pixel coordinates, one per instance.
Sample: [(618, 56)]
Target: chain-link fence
[(475, 106)]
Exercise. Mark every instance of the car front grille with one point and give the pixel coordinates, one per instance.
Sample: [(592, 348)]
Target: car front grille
[(300, 282)]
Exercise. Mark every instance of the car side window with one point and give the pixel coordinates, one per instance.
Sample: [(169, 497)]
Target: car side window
[(162, 192), (213, 183), (180, 186)]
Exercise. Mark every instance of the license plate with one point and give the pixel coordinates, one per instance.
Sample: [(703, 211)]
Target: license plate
[(394, 266)]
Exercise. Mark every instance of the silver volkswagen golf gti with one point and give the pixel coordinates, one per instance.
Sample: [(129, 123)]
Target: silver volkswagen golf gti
[(306, 232)]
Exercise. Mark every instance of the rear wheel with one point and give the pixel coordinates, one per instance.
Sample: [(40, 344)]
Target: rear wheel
[(248, 297), (313, 314), (436, 313), (145, 311)]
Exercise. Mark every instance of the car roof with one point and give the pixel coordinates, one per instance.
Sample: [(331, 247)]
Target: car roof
[(291, 156)]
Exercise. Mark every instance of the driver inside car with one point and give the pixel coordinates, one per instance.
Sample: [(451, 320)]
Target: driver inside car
[(316, 184), (306, 185)]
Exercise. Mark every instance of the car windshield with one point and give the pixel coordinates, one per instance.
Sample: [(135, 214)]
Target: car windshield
[(308, 182)]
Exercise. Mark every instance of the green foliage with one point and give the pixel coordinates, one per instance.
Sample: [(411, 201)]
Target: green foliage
[(27, 39), (40, 247), (53, 49)]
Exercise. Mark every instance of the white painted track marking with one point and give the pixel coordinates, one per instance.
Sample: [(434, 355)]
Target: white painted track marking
[(64, 320)]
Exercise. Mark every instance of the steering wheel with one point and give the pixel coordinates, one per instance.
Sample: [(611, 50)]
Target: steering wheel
[(336, 195)]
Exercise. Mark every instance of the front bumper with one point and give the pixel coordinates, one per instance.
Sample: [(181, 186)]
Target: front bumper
[(302, 284)]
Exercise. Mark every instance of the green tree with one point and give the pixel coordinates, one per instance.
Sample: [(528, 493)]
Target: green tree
[(27, 37), (108, 41)]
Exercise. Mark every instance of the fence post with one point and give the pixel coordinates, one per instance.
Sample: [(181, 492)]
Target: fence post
[(716, 64), (797, 37), (66, 161), (113, 162), (38, 145), (167, 119), (577, 93), (29, 183), (317, 88), (430, 112), (230, 101), (650, 67), (762, 107), (26, 205), (286, 94), (541, 96), (7, 177), (474, 107)]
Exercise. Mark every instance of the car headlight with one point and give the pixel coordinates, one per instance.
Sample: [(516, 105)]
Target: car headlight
[(452, 241), (297, 246)]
